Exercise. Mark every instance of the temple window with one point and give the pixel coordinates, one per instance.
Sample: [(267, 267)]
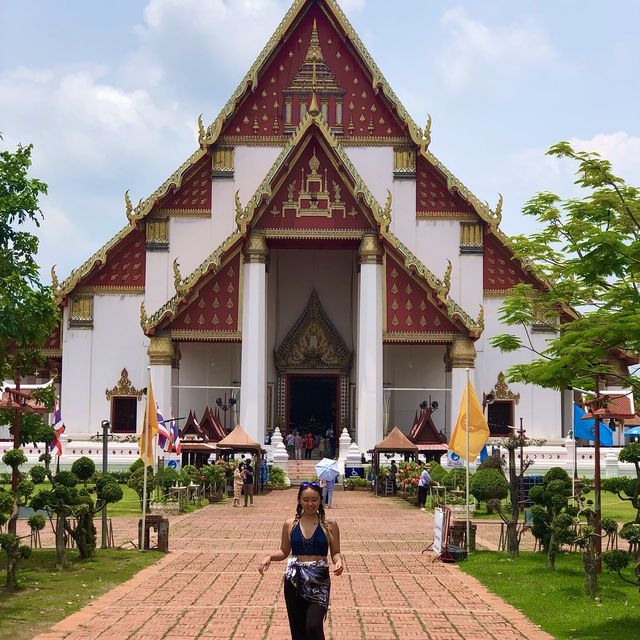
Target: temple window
[(500, 416), (124, 412), (339, 113)]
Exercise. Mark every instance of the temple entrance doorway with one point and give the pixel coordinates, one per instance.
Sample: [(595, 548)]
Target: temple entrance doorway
[(313, 400)]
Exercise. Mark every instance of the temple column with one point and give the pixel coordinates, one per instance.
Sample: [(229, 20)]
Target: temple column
[(369, 355), (461, 354), (160, 354), (253, 377)]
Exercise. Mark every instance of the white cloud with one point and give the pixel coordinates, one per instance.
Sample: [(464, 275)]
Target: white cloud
[(476, 50), (621, 149), (92, 140), (351, 6)]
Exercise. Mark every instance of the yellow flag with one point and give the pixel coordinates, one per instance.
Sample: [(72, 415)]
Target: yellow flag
[(150, 429), (478, 427)]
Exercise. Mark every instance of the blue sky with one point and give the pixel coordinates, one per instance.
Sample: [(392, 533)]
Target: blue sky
[(109, 93)]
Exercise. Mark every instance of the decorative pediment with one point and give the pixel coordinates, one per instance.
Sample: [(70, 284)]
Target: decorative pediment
[(313, 342), (124, 387), (502, 392)]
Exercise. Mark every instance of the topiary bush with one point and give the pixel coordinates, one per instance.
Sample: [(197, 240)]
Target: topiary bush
[(38, 474), (487, 485), (277, 478), (84, 469), (438, 473)]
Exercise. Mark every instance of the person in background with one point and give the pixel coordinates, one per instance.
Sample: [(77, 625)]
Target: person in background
[(290, 442), (299, 444), (309, 443), (393, 472), (247, 487), (307, 539), (327, 492), (423, 485), (238, 483)]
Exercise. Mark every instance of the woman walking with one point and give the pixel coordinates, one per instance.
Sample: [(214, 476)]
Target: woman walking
[(299, 443), (238, 483), (307, 538)]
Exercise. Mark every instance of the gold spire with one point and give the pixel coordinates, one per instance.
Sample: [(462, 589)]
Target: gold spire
[(314, 53), (314, 110)]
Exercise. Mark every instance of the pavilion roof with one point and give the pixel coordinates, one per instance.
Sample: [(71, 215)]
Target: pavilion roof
[(396, 441), (238, 439)]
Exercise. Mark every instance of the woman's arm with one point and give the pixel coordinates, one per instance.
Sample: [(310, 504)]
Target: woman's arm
[(336, 556), (282, 553)]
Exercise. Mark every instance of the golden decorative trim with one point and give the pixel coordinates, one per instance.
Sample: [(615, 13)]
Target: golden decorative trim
[(206, 336), (157, 231), (81, 311), (184, 213), (50, 353), (495, 295), (418, 337), (279, 141), (312, 234), (462, 216), (109, 291), (222, 160), (404, 161), (160, 350), (502, 392), (123, 388), (471, 235)]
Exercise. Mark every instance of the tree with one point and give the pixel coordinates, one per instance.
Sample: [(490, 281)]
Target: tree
[(587, 253), (489, 485), (28, 313), (10, 502)]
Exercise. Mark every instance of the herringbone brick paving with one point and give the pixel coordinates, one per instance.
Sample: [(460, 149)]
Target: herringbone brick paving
[(208, 586)]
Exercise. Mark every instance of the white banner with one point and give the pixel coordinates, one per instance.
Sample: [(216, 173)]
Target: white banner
[(439, 530), (454, 460)]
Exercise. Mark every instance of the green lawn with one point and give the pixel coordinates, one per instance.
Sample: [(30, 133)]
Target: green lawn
[(128, 506), (48, 595), (555, 600)]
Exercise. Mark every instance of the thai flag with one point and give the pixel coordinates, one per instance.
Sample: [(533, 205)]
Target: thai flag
[(175, 435), (164, 436), (58, 430)]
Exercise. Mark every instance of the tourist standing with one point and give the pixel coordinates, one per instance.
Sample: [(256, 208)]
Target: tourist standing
[(393, 472), (423, 485), (299, 444), (238, 483), (248, 484), (308, 445), (290, 442), (307, 538), (327, 492)]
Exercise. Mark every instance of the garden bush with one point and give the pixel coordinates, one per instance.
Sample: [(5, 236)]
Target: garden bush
[(277, 478), (487, 485)]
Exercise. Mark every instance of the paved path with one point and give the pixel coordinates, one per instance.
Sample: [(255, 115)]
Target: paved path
[(208, 586)]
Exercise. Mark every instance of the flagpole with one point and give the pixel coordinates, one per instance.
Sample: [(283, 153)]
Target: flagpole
[(468, 461), (146, 434)]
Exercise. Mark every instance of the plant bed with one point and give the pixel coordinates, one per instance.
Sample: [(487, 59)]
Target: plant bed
[(460, 510), (216, 497)]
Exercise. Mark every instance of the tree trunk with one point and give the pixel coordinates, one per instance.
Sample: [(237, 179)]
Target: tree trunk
[(61, 552), (590, 575), (513, 544), (85, 535), (12, 572), (551, 551)]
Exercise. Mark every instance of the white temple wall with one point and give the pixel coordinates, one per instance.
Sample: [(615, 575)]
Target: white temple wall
[(375, 166), (403, 209), (94, 358), (158, 287), (251, 165), (468, 288), (415, 366), (540, 409), (223, 214), (206, 364), (191, 240)]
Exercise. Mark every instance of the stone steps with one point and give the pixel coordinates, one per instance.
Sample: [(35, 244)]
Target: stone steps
[(301, 470)]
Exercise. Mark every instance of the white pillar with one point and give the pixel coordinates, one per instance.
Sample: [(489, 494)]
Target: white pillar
[(369, 354), (461, 355), (254, 329), (160, 354)]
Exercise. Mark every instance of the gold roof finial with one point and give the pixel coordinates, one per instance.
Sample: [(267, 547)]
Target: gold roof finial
[(202, 134), (144, 318), (55, 284), (498, 213), (314, 110), (427, 132), (128, 205)]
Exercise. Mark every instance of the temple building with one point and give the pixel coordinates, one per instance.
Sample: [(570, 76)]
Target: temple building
[(312, 263)]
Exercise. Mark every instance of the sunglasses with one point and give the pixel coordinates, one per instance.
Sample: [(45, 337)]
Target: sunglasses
[(304, 485)]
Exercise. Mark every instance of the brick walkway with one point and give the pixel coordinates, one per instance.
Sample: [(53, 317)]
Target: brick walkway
[(209, 586)]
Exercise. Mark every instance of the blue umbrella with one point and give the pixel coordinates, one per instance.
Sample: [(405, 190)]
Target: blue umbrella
[(584, 428), (327, 469), (634, 431)]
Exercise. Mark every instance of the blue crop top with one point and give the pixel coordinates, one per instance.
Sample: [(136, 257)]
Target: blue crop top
[(316, 545)]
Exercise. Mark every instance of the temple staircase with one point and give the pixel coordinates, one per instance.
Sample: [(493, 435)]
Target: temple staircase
[(301, 470)]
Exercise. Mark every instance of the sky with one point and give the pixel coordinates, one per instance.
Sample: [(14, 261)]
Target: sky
[(109, 93)]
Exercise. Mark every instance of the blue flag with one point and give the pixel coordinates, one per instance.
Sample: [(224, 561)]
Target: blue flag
[(584, 428), (484, 454)]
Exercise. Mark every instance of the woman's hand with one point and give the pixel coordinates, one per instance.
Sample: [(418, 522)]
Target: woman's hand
[(338, 567), (264, 565)]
